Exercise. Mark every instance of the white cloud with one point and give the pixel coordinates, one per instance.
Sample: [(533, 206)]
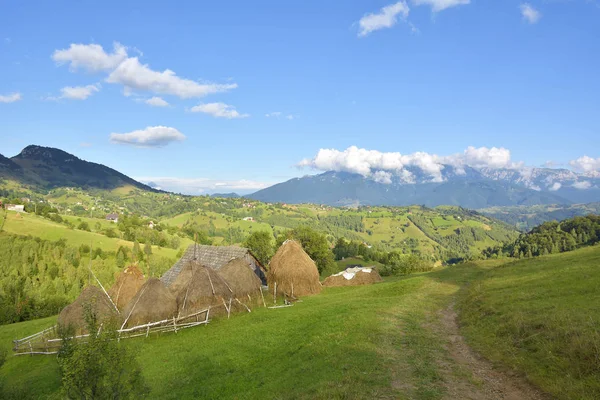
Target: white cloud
[(91, 57), (586, 164), (279, 114), (440, 5), (218, 110), (10, 98), (373, 163), (134, 75), (584, 185), (529, 13), (157, 102), (77, 92), (204, 185), (556, 186), (152, 136), (382, 177), (385, 18)]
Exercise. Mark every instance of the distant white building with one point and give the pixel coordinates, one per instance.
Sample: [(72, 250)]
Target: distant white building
[(151, 225), (15, 207), (113, 217), (249, 219)]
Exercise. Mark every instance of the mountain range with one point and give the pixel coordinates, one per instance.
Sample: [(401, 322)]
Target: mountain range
[(47, 168), (467, 187)]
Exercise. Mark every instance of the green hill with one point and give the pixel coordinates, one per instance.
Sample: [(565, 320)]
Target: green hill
[(541, 316)]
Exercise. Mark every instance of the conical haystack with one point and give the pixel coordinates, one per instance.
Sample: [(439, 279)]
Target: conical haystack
[(198, 287), (152, 303), (353, 277), (295, 273), (128, 283), (92, 296), (242, 280)]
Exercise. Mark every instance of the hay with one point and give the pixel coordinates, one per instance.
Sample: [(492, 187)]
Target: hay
[(242, 280), (128, 283), (198, 287), (73, 314), (152, 303), (294, 271), (353, 277)]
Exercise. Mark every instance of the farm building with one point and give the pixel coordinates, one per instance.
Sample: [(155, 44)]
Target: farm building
[(113, 217), (15, 207), (353, 276), (214, 257), (293, 272)]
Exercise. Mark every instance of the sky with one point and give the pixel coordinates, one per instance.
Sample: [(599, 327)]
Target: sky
[(203, 97)]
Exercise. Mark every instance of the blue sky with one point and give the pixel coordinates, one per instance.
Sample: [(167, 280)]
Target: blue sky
[(434, 76)]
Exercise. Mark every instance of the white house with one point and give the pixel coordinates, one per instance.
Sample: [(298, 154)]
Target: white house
[(15, 207)]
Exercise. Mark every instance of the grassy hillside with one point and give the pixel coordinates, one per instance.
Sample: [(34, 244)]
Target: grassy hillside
[(541, 317)]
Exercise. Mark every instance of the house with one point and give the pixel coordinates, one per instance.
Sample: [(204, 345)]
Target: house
[(15, 207), (214, 257), (113, 217), (151, 225), (248, 219)]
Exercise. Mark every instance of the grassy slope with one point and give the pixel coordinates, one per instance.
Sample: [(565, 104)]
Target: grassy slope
[(542, 317), (30, 224), (362, 342)]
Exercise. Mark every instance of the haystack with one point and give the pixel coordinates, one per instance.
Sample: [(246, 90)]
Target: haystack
[(355, 276), (128, 283), (152, 303), (198, 287), (92, 296), (242, 280), (294, 272)]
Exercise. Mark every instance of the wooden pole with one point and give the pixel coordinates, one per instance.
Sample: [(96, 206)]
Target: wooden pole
[(275, 294), (263, 296)]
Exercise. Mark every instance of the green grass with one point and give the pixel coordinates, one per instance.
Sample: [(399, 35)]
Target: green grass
[(541, 317), (31, 224), (359, 343)]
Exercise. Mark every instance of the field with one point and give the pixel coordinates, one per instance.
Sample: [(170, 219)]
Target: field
[(537, 318)]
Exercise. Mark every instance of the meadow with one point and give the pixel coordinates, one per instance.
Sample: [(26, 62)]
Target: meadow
[(536, 318)]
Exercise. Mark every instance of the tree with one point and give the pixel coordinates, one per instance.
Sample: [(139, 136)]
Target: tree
[(100, 368), (261, 245)]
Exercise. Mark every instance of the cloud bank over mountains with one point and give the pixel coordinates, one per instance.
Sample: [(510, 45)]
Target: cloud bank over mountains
[(494, 162)]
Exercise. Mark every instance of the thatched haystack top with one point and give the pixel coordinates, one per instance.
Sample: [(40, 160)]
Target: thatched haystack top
[(293, 270), (128, 283), (213, 257), (240, 277), (152, 303), (353, 276), (198, 287), (73, 314)]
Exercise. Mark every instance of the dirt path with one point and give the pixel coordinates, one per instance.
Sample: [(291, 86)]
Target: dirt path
[(478, 379)]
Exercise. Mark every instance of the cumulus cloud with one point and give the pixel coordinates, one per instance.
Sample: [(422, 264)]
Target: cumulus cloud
[(371, 162), (131, 73), (204, 185), (385, 18), (77, 92), (529, 13), (218, 110), (440, 5), (10, 98), (157, 102), (584, 185), (91, 57), (382, 177), (556, 186), (586, 164), (152, 136), (134, 75)]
